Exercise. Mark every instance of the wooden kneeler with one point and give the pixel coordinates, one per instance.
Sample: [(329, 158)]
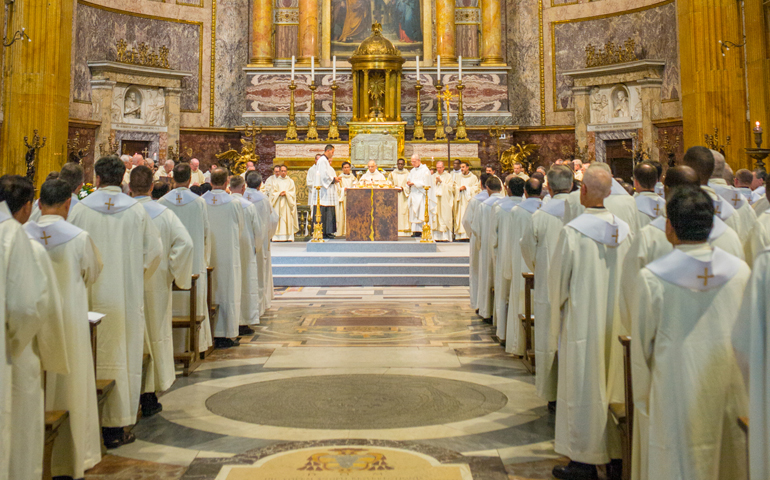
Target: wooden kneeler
[(53, 421), (191, 358), (528, 319), (623, 413), (213, 308), (103, 387)]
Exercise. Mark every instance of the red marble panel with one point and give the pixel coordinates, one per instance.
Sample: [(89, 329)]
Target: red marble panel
[(372, 215)]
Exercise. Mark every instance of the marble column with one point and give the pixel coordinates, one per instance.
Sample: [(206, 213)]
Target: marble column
[(101, 99), (36, 95), (713, 92), (649, 93), (262, 33), (445, 31), (308, 31), (491, 33), (582, 103)]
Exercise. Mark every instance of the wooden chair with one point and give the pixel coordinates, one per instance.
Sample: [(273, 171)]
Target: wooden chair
[(53, 421), (103, 387), (191, 358), (528, 319), (623, 413), (213, 308)]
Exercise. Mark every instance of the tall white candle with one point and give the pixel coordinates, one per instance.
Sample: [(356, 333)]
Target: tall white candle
[(438, 65), (312, 69), (460, 65), (334, 68), (292, 69), (417, 62)]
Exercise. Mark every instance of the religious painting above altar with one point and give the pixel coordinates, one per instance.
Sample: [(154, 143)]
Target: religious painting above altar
[(401, 22)]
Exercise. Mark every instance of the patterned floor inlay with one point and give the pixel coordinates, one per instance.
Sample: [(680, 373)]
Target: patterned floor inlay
[(118, 468)]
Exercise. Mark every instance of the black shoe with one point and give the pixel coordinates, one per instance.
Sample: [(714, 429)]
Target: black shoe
[(226, 343), (150, 404), (575, 471), (329, 237), (552, 407), (115, 437), (245, 330), (615, 469)]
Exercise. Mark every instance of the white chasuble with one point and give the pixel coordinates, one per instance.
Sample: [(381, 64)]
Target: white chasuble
[(468, 217), (623, 205), (421, 178), (286, 206), (176, 263), (583, 288), (572, 207), (398, 178), (226, 220), (444, 223), (759, 237), (369, 178), (76, 264), (346, 181), (482, 225), (462, 200), (688, 390), (501, 244), (740, 219), (269, 219), (760, 205), (130, 248), (250, 295), (649, 207), (191, 210)]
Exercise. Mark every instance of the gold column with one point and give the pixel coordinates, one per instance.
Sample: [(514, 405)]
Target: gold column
[(387, 100), (398, 99), (491, 33), (308, 31), (37, 85), (445, 31), (713, 94), (366, 95), (262, 33), (758, 63), (355, 117)]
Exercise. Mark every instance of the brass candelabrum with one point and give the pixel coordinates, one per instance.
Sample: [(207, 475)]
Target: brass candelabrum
[(419, 132), (440, 134), (334, 131), (32, 151), (668, 146), (460, 133), (291, 128), (312, 131), (318, 232), (758, 154), (427, 233)]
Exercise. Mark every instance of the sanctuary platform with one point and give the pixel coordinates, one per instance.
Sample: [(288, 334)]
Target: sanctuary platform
[(339, 263)]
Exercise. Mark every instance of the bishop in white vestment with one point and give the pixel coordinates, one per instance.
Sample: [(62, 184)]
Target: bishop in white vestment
[(283, 197), (398, 178)]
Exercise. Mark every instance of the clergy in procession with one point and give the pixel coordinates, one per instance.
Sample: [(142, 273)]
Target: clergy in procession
[(283, 198), (372, 175), (326, 178), (688, 390), (501, 239), (226, 221), (267, 186), (467, 223), (345, 180), (537, 246), (444, 188), (310, 182), (130, 247), (191, 210), (467, 186), (252, 233), (76, 265), (583, 286), (521, 219), (759, 237), (745, 214), (420, 177), (398, 177), (482, 224), (649, 204), (72, 173), (742, 183), (619, 202), (35, 347), (269, 221), (176, 262)]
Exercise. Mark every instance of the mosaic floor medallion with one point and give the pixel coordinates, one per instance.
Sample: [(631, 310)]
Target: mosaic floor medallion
[(356, 402)]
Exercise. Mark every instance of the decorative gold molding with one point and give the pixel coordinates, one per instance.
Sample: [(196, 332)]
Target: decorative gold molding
[(611, 54), (668, 122), (563, 4), (213, 60), (145, 56), (190, 4), (547, 128), (542, 60)]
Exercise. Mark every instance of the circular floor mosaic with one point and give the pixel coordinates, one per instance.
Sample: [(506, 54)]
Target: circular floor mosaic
[(356, 402)]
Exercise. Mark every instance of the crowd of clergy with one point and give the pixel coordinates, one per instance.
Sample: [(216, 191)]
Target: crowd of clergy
[(681, 266), (118, 254)]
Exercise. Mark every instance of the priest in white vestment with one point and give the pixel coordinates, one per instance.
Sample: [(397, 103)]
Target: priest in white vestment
[(176, 262), (76, 264), (226, 220), (283, 197), (649, 205), (72, 173), (688, 392), (372, 176), (420, 177), (191, 210), (583, 288), (483, 221), (745, 214), (456, 169), (468, 219), (130, 247), (267, 186), (537, 246), (346, 180), (444, 188), (467, 186), (268, 218), (620, 203), (252, 231), (398, 178), (501, 244)]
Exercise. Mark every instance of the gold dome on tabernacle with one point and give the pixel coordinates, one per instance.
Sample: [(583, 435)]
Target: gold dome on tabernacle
[(376, 44)]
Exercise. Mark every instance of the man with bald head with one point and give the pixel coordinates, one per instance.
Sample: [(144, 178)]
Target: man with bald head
[(166, 171), (584, 284), (196, 176), (619, 202), (372, 175), (648, 204), (444, 186), (742, 183)]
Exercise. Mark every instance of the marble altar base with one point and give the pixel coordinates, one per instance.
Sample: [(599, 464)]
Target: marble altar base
[(372, 214)]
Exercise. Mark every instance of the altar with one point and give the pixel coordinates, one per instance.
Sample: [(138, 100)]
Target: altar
[(372, 214)]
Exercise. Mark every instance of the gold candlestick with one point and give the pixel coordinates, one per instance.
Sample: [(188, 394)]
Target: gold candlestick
[(334, 131), (440, 135), (318, 232), (291, 128), (419, 133), (460, 133), (427, 233), (312, 133)]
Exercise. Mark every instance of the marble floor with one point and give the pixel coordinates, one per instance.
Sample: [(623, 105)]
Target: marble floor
[(387, 383)]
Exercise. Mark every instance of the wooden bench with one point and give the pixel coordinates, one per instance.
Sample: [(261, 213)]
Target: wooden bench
[(213, 309), (53, 421), (104, 386), (191, 358), (528, 320), (623, 413)]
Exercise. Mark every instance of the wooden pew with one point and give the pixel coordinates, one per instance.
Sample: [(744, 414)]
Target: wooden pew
[(53, 421), (103, 387), (213, 308), (528, 319), (623, 413), (191, 358)]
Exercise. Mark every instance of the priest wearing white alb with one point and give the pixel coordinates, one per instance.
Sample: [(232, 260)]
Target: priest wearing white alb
[(267, 188), (283, 198), (619, 202), (372, 175), (130, 247), (745, 214), (467, 221), (176, 262), (346, 180), (688, 390), (326, 178), (193, 213), (444, 187), (72, 173), (76, 264), (483, 222), (467, 186), (583, 289), (398, 177), (649, 204), (420, 177), (501, 241), (269, 220), (226, 220), (252, 231)]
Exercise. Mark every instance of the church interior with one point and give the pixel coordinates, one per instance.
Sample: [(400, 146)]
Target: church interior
[(339, 326)]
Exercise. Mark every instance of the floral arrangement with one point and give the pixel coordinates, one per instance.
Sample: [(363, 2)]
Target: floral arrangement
[(86, 190)]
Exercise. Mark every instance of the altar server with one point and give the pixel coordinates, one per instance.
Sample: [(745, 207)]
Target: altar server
[(283, 197), (467, 186), (398, 177), (269, 221), (419, 178), (326, 178), (372, 175), (345, 180), (252, 233), (444, 188), (128, 241)]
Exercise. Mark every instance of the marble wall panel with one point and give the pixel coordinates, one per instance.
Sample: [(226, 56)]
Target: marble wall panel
[(99, 28), (551, 145), (523, 56), (286, 41), (205, 145), (232, 54)]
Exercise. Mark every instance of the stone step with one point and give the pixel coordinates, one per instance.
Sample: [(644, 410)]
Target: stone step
[(370, 269), (363, 259), (341, 246), (369, 280)]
